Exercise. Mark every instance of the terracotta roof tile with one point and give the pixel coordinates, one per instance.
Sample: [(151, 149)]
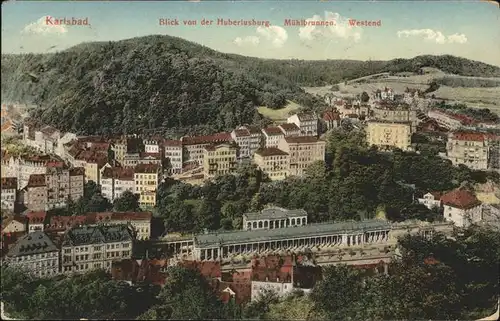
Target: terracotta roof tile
[(460, 198), (36, 217), (215, 138), (172, 143)]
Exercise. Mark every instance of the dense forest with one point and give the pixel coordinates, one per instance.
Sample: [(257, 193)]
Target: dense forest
[(436, 278), (171, 85)]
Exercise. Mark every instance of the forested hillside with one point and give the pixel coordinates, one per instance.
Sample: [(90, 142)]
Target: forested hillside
[(167, 82)]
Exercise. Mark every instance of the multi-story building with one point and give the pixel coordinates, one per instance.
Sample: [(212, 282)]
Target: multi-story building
[(274, 162), (87, 248), (36, 254), (9, 193), (194, 147), (272, 136), (173, 155), (220, 159), (302, 151), (398, 113), (139, 222), (43, 138), (153, 145), (23, 167), (76, 182), (36, 221), (449, 120), (119, 148), (147, 177), (13, 224), (116, 180), (34, 195), (290, 129), (431, 200), (249, 140), (307, 122), (462, 208), (386, 134), (331, 119), (58, 186), (274, 217), (470, 149)]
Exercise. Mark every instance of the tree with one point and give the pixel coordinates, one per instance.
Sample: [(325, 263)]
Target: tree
[(365, 97), (127, 202)]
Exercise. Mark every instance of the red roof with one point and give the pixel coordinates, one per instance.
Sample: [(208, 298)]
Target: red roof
[(146, 168), (131, 216), (65, 222), (121, 173), (243, 132), (36, 217), (36, 180), (460, 198), (272, 131), (242, 291), (289, 127), (331, 116), (215, 138), (10, 183), (170, 142), (208, 269)]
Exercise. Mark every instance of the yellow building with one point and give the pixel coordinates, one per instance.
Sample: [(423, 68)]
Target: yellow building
[(303, 151), (273, 161), (388, 134), (147, 177), (220, 159)]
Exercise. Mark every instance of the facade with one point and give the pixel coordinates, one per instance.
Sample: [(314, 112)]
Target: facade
[(274, 217), (272, 136), (194, 147), (303, 151), (35, 194), (462, 208), (470, 149), (95, 247), (58, 187), (119, 148), (36, 221), (274, 162), (153, 145), (220, 159), (307, 122), (290, 129), (116, 180), (139, 222), (388, 135), (331, 119), (431, 200), (398, 114), (450, 121), (147, 177), (9, 193), (173, 152), (242, 138), (76, 182), (23, 167), (281, 287), (36, 253), (14, 224)]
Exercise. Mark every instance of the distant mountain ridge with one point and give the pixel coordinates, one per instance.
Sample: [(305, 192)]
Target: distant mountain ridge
[(167, 82)]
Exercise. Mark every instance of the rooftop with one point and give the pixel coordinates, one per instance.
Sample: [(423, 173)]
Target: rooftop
[(274, 213), (302, 140), (215, 138), (306, 116), (33, 243), (36, 180), (460, 198), (272, 131), (9, 182), (270, 151), (146, 168), (311, 230), (287, 127), (97, 234)]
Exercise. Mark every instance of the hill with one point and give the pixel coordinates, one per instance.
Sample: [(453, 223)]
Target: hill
[(169, 83)]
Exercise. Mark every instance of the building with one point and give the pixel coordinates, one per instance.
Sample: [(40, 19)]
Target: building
[(76, 182), (290, 129), (36, 221), (116, 180), (13, 224), (138, 271), (397, 113), (242, 137), (41, 137), (302, 151), (274, 217), (9, 193), (35, 253), (58, 186), (95, 247), (24, 166), (274, 162), (61, 224), (331, 119), (220, 159), (388, 135), (431, 200), (153, 145), (307, 122), (194, 147), (461, 207), (272, 136), (147, 177), (140, 222), (35, 194), (449, 120), (470, 149), (173, 155)]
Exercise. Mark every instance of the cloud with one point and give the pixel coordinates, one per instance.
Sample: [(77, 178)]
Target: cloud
[(249, 40), (338, 27), (277, 35), (435, 36), (41, 27)]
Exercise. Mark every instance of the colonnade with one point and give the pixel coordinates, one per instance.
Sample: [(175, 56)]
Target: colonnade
[(272, 224), (230, 250)]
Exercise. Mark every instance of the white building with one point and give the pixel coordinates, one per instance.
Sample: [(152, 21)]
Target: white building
[(9, 193), (23, 167), (462, 208), (448, 120), (248, 139), (272, 136), (153, 145), (279, 287), (274, 217), (116, 180), (35, 253), (470, 149), (431, 200), (173, 152), (140, 222), (307, 122), (290, 129), (95, 247), (36, 221)]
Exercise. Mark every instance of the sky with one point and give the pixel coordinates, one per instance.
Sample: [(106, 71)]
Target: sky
[(407, 28)]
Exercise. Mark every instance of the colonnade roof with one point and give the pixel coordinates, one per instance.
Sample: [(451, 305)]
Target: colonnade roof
[(274, 213), (311, 230)]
